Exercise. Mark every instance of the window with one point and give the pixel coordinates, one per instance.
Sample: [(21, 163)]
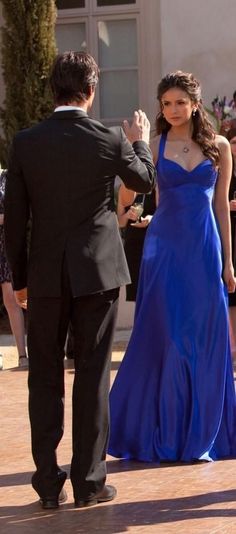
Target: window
[(111, 37), (107, 3), (71, 36), (124, 38), (69, 4), (118, 62)]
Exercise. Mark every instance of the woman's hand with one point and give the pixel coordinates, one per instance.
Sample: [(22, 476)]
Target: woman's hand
[(21, 297), (143, 223), (232, 205), (131, 214), (229, 278)]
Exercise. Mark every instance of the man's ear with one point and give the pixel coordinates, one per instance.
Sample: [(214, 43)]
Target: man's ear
[(90, 96), (91, 90)]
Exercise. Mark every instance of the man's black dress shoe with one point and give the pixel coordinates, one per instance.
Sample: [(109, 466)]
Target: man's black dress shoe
[(50, 503), (108, 493)]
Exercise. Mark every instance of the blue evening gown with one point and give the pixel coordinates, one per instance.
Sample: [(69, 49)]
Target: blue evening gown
[(173, 398)]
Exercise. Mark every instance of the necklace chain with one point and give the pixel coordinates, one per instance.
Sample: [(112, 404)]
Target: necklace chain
[(186, 144)]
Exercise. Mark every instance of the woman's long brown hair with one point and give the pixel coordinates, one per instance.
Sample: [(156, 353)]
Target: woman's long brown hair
[(203, 131)]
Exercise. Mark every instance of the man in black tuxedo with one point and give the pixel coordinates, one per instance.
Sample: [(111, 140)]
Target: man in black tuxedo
[(62, 172)]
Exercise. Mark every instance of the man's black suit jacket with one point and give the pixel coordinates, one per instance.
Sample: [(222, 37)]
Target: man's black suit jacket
[(62, 172)]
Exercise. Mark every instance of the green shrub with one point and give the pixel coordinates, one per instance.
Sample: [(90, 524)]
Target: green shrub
[(28, 50)]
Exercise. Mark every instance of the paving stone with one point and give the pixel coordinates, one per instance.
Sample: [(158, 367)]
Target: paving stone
[(195, 498)]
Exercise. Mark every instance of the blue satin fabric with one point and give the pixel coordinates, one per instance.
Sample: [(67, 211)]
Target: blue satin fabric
[(173, 398)]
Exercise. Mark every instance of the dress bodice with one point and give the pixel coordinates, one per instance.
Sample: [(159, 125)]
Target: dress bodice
[(185, 186), (185, 207)]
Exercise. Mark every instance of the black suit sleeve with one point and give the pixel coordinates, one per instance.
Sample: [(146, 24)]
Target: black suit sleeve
[(136, 168), (16, 216)]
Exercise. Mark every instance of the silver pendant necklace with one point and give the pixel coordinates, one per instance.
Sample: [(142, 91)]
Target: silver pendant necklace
[(186, 149)]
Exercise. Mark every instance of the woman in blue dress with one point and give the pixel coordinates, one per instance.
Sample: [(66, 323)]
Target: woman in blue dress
[(173, 398)]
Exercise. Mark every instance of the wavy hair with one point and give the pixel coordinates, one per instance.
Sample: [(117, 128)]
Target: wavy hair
[(203, 131), (230, 134)]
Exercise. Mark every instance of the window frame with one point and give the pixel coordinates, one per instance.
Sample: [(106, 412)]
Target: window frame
[(94, 31), (72, 8), (115, 9), (148, 45), (91, 8), (74, 11)]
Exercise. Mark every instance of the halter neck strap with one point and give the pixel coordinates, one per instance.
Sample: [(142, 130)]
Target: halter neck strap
[(162, 145)]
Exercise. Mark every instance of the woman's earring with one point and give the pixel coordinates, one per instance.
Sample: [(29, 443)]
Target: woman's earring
[(194, 112)]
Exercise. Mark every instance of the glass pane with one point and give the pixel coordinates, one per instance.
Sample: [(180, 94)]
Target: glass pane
[(114, 2), (117, 43), (118, 94), (71, 37), (69, 4)]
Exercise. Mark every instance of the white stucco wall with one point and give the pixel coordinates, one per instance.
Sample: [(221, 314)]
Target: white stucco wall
[(199, 36)]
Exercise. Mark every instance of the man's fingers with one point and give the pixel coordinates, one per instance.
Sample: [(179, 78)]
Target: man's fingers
[(139, 129), (136, 117), (142, 119), (125, 126)]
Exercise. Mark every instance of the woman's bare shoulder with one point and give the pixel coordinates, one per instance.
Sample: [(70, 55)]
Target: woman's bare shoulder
[(154, 145), (221, 142)]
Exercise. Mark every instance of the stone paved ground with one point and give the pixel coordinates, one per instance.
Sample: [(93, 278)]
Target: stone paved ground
[(179, 499)]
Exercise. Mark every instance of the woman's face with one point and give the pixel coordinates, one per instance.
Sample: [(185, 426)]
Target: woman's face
[(233, 146), (177, 107)]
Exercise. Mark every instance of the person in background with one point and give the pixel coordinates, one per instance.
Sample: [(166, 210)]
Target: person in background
[(231, 136), (14, 311), (62, 172), (133, 232), (173, 398), (134, 227), (233, 101)]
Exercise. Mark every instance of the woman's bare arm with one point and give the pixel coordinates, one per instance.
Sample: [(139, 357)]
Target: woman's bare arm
[(221, 206)]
